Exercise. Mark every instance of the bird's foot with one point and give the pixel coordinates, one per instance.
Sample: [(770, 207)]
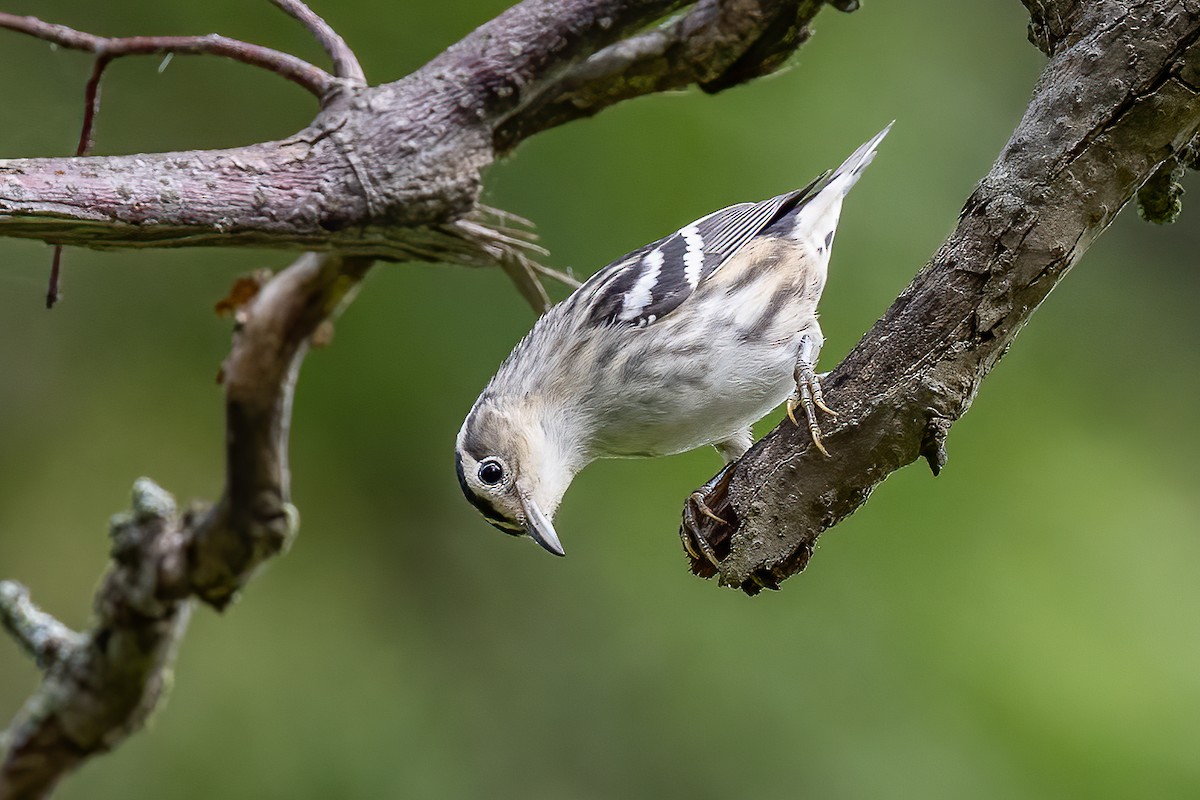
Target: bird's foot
[(694, 541), (808, 396)]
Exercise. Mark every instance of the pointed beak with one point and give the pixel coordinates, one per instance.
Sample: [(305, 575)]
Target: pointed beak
[(539, 528)]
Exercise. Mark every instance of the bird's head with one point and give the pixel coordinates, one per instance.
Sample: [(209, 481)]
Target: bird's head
[(514, 468)]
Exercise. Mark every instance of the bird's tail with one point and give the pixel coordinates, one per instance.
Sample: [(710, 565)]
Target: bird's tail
[(847, 174), (816, 215)]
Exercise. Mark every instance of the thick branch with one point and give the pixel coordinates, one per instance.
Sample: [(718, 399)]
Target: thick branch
[(405, 154), (1116, 100), (502, 64), (394, 171), (715, 45)]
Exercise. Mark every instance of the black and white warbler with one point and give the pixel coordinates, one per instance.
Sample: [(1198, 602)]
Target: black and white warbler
[(684, 342)]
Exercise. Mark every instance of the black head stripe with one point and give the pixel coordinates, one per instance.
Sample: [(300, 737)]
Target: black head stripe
[(487, 509), (472, 442), (511, 530)]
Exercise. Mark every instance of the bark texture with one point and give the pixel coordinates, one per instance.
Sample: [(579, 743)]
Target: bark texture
[(101, 685), (382, 172), (394, 171), (1117, 105)]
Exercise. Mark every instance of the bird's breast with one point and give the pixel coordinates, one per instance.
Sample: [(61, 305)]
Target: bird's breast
[(716, 366)]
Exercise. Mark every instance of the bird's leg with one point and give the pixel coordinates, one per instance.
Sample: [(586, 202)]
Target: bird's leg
[(735, 446), (808, 392)]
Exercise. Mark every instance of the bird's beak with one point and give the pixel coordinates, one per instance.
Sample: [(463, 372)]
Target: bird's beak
[(539, 528)]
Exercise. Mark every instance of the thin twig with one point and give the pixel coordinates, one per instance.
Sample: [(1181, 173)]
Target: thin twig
[(106, 49), (91, 107), (91, 104), (314, 79), (558, 275), (52, 291), (41, 635), (345, 63)]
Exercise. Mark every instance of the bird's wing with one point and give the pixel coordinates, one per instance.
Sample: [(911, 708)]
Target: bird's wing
[(645, 285)]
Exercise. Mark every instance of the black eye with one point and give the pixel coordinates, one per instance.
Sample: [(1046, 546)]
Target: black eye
[(490, 472)]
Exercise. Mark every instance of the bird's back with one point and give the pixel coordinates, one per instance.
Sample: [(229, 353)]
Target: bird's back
[(691, 338)]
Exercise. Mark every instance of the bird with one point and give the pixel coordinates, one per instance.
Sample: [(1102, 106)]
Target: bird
[(681, 343)]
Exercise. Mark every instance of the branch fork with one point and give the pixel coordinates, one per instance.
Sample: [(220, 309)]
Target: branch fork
[(394, 172)]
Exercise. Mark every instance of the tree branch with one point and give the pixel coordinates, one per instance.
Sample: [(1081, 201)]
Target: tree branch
[(390, 172), (294, 69), (100, 686), (345, 63), (44, 638), (254, 519), (394, 172), (715, 45), (1118, 98)]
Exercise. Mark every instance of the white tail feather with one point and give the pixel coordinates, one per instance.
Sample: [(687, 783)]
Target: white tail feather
[(817, 219)]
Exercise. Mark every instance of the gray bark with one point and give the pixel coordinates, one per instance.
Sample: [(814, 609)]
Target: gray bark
[(1116, 106)]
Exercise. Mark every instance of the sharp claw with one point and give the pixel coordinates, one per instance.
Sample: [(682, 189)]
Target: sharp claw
[(791, 412), (808, 392), (704, 546), (704, 509), (708, 556)]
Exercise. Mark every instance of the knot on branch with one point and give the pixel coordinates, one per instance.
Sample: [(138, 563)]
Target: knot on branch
[(276, 524), (783, 32), (1051, 22), (933, 444), (785, 28), (1160, 200), (141, 538), (152, 504)]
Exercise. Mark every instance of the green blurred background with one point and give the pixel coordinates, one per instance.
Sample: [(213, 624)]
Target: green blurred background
[(1027, 625)]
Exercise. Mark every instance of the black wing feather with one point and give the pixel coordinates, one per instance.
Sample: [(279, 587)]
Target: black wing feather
[(645, 285)]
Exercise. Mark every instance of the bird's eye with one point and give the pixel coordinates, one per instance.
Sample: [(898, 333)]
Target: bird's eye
[(490, 472)]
